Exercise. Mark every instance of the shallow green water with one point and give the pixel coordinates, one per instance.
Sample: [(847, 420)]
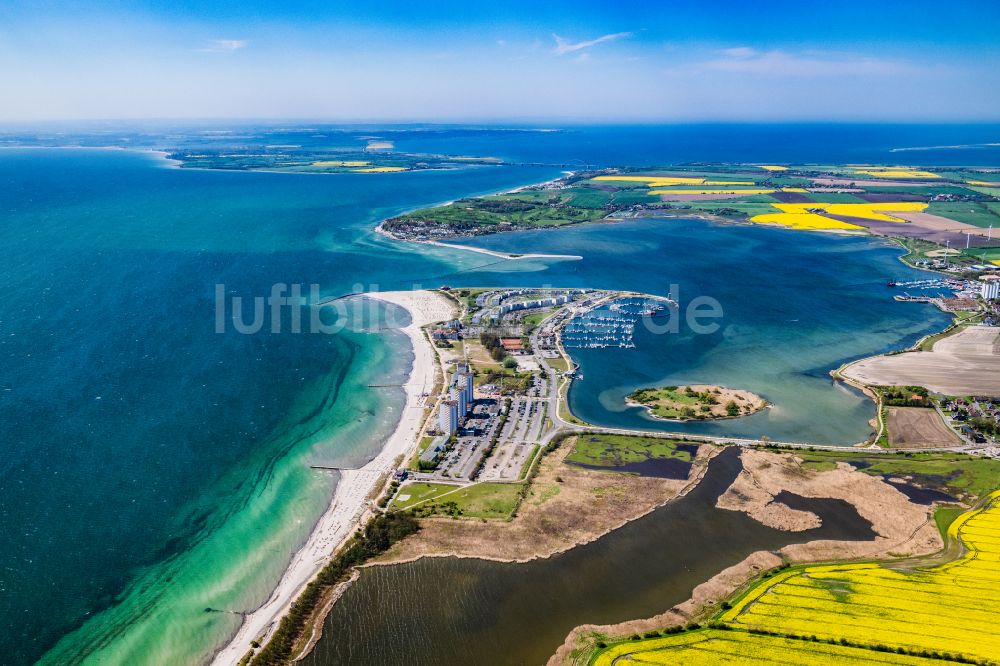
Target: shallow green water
[(151, 466)]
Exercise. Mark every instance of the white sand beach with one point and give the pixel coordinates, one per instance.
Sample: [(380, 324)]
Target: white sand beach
[(503, 255), (350, 505)]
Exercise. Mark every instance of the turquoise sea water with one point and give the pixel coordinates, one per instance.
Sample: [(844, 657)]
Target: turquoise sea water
[(150, 463), (153, 468)]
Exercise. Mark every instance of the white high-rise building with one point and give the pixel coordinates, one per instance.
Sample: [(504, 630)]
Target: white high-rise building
[(448, 417), (458, 395), (990, 290), (463, 388)]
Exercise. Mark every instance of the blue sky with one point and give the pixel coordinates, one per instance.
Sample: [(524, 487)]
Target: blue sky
[(513, 61)]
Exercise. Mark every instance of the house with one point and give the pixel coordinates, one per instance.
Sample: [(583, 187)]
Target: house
[(512, 345), (445, 334)]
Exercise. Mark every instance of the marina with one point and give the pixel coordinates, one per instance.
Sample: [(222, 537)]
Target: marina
[(612, 324)]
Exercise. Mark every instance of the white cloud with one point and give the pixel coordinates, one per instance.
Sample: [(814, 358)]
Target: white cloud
[(745, 60), (563, 46), (224, 45), (740, 52)]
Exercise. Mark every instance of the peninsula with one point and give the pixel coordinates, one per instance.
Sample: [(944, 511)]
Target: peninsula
[(943, 217), (498, 469)]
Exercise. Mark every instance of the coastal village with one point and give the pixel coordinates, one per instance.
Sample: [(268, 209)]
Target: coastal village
[(447, 334), (499, 458), (507, 367)]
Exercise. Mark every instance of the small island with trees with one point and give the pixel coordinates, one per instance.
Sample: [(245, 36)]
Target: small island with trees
[(696, 402)]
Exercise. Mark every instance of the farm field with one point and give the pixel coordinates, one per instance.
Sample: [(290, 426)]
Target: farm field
[(918, 427), (708, 647), (985, 254), (937, 206), (971, 351), (979, 214), (854, 613)]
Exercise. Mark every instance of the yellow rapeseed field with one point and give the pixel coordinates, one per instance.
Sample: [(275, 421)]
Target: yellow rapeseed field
[(804, 215), (708, 647), (748, 191), (984, 183), (893, 172), (668, 181), (385, 169), (863, 613), (802, 221), (868, 211), (950, 608), (341, 163), (773, 167)]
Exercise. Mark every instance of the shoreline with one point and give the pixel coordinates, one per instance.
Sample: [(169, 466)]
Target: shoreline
[(758, 404), (357, 487), (689, 484), (495, 253), (380, 227), (351, 503), (918, 537)]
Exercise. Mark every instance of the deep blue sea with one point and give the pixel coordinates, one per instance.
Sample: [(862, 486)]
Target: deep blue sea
[(152, 468)]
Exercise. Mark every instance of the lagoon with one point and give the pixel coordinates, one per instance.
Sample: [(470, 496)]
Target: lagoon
[(153, 468)]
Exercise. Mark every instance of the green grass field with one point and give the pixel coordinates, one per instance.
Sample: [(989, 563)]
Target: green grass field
[(988, 191), (748, 209), (589, 197), (560, 364), (480, 500), (944, 516), (984, 254), (632, 197), (614, 450), (971, 212), (421, 447), (532, 320), (951, 472)]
